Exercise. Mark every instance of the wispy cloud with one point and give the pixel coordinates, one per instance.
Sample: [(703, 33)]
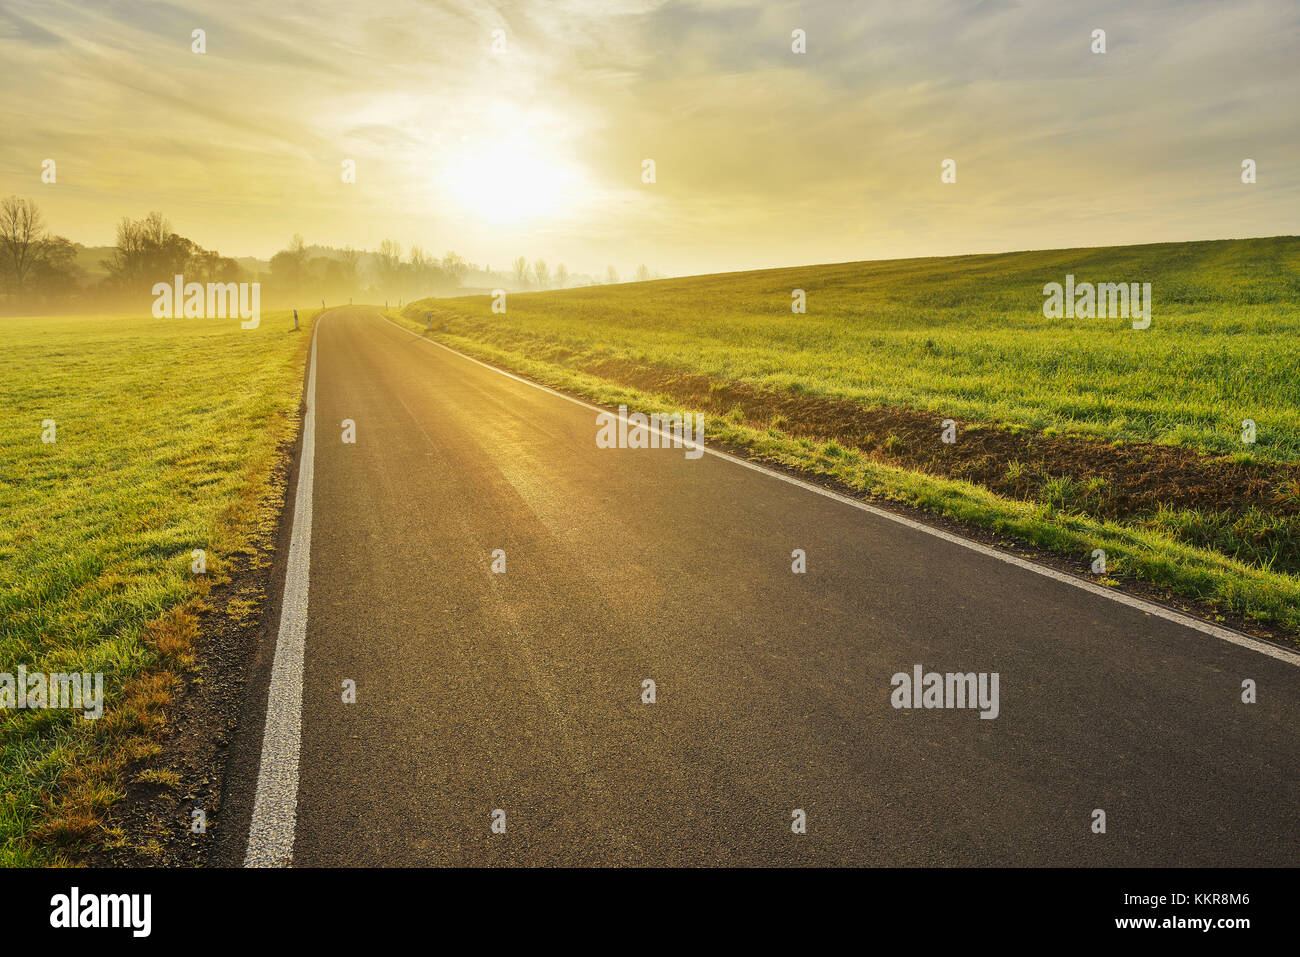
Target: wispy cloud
[(764, 157)]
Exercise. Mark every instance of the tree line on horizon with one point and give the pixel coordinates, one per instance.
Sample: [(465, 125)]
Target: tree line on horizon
[(40, 270)]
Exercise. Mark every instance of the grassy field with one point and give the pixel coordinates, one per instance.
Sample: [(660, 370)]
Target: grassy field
[(1073, 433), (166, 433)]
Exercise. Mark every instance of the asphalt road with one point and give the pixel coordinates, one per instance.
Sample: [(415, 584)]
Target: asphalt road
[(522, 691)]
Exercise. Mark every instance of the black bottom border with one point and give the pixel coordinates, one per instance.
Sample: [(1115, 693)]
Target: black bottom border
[(640, 906)]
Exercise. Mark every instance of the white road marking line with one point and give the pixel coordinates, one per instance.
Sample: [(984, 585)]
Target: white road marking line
[(1141, 604), (275, 808)]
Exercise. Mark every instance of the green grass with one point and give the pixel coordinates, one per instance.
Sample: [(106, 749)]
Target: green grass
[(966, 337), (167, 433)]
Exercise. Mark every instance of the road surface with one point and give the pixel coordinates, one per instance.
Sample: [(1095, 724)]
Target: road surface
[(478, 691)]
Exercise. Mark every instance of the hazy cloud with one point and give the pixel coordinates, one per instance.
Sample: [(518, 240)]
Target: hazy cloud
[(763, 157)]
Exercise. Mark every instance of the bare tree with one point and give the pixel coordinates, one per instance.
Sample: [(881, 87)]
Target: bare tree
[(156, 230), (22, 236), (351, 267), (455, 266), (561, 275), (521, 272), (642, 273), (147, 250), (611, 275), (289, 267), (543, 273), (129, 253), (388, 264)]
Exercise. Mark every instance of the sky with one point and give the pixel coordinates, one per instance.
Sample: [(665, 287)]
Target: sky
[(763, 157)]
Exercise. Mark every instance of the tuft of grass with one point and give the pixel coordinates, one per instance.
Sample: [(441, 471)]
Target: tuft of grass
[(162, 776)]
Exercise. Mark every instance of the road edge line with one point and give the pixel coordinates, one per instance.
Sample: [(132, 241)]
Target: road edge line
[(275, 805), (1141, 604)]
